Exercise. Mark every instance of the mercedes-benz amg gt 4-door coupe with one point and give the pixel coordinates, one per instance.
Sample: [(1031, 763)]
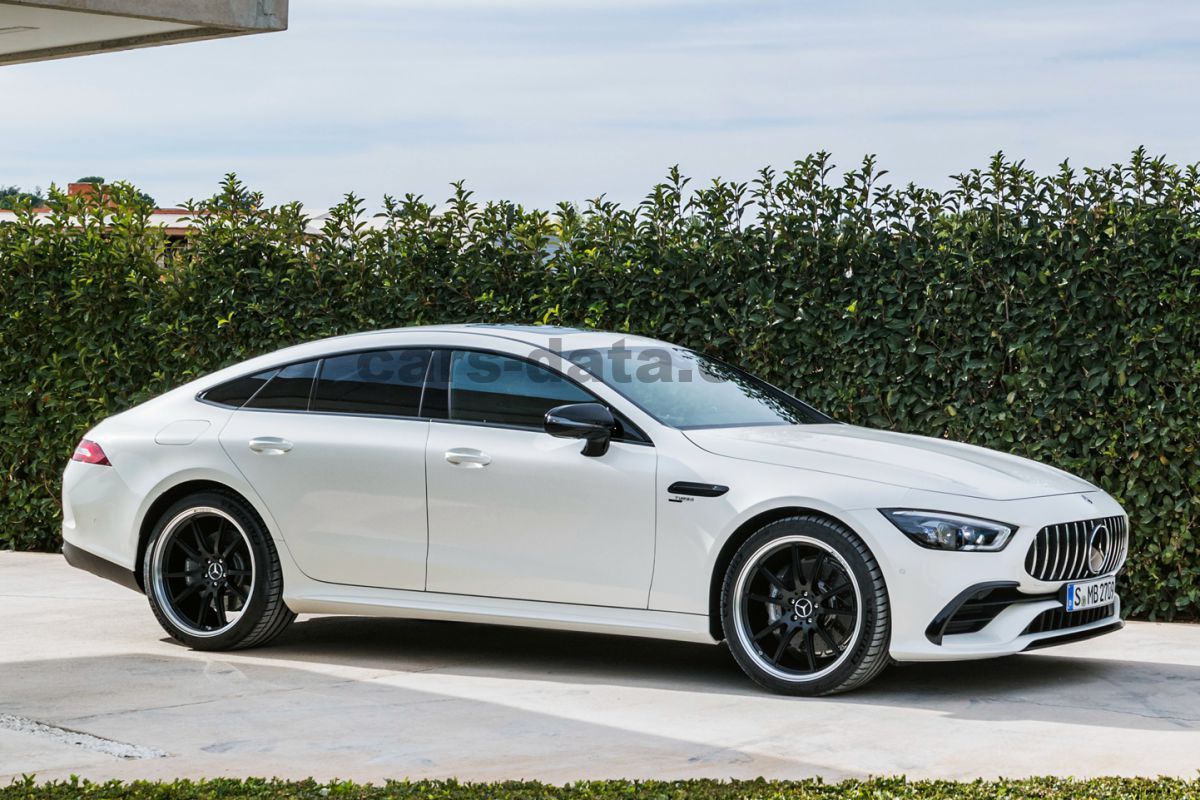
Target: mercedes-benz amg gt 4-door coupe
[(587, 481)]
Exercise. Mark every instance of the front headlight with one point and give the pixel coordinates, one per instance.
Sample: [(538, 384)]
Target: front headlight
[(940, 531)]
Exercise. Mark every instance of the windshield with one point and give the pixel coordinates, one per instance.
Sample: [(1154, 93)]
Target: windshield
[(685, 389)]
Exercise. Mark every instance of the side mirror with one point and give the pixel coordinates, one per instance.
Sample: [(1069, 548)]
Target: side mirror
[(589, 421)]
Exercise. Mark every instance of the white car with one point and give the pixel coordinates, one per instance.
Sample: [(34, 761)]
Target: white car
[(587, 481)]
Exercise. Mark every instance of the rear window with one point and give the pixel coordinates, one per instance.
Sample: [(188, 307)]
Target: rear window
[(288, 390), (236, 392), (386, 382)]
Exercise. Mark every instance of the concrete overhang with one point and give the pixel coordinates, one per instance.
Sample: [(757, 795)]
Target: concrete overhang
[(37, 30)]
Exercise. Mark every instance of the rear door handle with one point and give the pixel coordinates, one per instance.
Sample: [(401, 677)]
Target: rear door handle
[(270, 445), (468, 457)]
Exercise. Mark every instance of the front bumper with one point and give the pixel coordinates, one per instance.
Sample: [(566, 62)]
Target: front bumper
[(998, 608), (926, 587)]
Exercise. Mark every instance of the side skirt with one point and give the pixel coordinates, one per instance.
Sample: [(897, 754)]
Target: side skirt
[(366, 601)]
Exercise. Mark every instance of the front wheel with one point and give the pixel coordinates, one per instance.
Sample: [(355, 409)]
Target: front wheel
[(805, 608), (212, 574)]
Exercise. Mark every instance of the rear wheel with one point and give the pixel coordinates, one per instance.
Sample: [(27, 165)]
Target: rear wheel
[(805, 608), (212, 574)]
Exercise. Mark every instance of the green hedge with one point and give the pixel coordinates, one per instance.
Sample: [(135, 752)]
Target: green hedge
[(874, 789), (1055, 316)]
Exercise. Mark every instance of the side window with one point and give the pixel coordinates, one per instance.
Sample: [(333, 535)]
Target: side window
[(485, 387), (288, 390), (236, 392), (377, 382)]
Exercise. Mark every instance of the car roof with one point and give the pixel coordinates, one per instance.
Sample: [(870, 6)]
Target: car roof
[(550, 337), (544, 337)]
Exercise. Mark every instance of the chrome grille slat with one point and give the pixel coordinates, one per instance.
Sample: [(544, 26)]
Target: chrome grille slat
[(1081, 557), (1110, 563), (1123, 546), (1085, 551), (1056, 550), (1039, 558), (1067, 537), (1079, 565), (1073, 548), (1066, 548), (1072, 537), (1120, 536), (1060, 563), (1051, 549), (1061, 552), (1115, 536), (1112, 537)]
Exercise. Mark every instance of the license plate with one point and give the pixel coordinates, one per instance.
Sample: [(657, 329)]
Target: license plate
[(1090, 594)]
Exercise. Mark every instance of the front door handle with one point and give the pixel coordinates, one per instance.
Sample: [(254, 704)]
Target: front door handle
[(468, 457), (270, 445)]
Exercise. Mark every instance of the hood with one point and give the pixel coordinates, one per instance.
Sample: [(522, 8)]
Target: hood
[(898, 459)]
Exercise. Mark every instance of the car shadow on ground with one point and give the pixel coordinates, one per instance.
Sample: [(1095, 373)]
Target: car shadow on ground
[(1067, 689)]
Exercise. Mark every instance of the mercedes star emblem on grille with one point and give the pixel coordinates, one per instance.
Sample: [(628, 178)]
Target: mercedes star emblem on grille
[(1098, 545)]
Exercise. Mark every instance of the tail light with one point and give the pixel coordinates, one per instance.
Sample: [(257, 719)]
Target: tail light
[(89, 452)]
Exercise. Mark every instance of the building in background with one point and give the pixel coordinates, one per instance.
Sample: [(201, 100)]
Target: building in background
[(37, 30), (175, 223)]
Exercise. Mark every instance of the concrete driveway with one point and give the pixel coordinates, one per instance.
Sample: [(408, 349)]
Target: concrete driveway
[(89, 685)]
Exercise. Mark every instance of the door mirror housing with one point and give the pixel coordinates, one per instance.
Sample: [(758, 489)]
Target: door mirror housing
[(591, 422)]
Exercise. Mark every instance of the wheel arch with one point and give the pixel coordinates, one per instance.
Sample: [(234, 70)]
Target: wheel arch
[(165, 500), (739, 537)]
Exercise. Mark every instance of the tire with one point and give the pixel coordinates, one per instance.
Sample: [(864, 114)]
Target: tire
[(800, 633), (212, 574)]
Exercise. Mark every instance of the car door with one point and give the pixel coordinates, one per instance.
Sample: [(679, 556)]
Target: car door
[(517, 513), (339, 460)]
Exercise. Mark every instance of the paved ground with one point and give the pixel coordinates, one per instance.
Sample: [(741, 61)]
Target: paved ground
[(373, 699)]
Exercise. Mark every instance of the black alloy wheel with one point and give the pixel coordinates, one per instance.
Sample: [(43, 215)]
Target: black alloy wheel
[(212, 574), (805, 608), (801, 605), (204, 570)]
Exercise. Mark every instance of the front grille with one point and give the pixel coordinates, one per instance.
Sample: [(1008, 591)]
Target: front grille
[(983, 607), (1060, 552), (1059, 619)]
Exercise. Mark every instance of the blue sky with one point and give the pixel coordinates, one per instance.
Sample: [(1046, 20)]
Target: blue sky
[(539, 101)]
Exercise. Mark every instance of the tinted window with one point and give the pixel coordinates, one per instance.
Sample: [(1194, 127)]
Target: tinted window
[(377, 382), (508, 391), (288, 390), (686, 389), (236, 392)]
